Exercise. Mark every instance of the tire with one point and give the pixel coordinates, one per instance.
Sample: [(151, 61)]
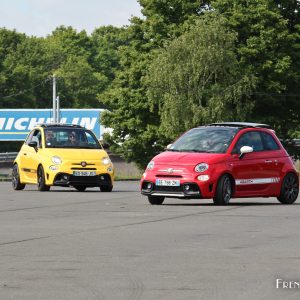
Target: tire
[(42, 187), (106, 188), (289, 189), (223, 191), (80, 188), (15, 181), (156, 200)]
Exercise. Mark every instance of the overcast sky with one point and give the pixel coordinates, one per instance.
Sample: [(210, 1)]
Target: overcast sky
[(41, 17)]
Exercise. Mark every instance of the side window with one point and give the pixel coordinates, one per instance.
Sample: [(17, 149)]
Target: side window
[(29, 137), (269, 142), (252, 139), (35, 136), (90, 139)]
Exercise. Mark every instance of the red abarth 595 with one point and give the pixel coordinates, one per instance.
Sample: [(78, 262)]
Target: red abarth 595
[(222, 161)]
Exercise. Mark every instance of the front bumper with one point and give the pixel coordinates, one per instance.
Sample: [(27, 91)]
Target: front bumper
[(65, 179), (64, 175), (187, 190)]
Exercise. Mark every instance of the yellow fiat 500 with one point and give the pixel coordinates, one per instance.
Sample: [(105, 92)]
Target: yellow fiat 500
[(62, 155)]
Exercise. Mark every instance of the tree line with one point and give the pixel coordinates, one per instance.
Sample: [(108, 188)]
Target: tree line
[(184, 64)]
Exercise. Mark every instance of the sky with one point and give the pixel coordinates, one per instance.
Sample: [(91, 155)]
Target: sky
[(40, 17)]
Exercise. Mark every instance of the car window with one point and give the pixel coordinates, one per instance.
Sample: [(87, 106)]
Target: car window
[(252, 139), (269, 142), (205, 139), (70, 138), (35, 136)]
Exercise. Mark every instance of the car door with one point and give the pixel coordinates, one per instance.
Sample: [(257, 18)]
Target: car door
[(252, 172), (274, 162), (30, 157)]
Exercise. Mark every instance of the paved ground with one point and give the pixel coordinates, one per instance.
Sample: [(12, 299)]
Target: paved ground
[(65, 244)]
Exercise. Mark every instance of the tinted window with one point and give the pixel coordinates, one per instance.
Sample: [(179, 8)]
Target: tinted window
[(269, 142), (205, 139), (252, 139)]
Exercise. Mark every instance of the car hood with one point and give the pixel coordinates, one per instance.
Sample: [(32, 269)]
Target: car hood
[(76, 154), (188, 158)]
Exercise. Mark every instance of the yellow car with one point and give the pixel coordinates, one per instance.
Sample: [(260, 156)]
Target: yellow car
[(62, 155)]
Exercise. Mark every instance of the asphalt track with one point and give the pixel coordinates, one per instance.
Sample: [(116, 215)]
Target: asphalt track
[(65, 244)]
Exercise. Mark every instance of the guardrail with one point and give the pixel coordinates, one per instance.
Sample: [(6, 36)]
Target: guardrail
[(8, 156)]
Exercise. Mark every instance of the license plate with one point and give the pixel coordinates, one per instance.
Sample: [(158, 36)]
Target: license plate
[(167, 182), (84, 173)]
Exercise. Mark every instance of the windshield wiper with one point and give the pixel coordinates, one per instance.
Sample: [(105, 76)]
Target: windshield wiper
[(195, 150), (174, 150)]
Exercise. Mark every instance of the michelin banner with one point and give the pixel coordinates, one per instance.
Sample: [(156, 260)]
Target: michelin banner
[(15, 124)]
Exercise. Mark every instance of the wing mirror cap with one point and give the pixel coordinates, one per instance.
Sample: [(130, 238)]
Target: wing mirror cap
[(33, 144), (244, 150)]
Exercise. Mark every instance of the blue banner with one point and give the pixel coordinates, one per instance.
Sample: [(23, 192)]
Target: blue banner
[(15, 124)]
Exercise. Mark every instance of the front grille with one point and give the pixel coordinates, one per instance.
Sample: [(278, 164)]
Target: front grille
[(82, 168), (172, 189), (187, 190), (169, 176), (63, 179), (79, 164)]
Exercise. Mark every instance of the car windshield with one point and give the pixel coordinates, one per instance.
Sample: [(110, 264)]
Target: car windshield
[(70, 138), (205, 139)]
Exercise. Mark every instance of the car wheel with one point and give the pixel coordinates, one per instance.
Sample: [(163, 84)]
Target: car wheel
[(156, 200), (289, 189), (223, 191), (15, 180), (106, 188), (80, 188), (41, 180)]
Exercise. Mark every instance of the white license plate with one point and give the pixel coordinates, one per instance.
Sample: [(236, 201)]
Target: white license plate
[(167, 182), (84, 173)]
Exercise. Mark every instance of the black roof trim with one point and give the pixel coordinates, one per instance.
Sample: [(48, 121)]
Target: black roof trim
[(241, 124), (44, 125)]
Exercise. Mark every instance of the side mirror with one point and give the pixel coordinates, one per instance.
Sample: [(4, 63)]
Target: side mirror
[(105, 146), (244, 150), (33, 145)]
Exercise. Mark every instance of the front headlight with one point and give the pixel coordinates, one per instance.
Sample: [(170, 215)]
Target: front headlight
[(106, 161), (56, 160), (150, 166), (201, 167)]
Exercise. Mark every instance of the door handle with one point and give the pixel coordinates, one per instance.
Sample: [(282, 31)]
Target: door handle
[(25, 154), (268, 161)]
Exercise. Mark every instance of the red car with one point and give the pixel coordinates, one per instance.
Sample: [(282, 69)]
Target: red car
[(222, 161)]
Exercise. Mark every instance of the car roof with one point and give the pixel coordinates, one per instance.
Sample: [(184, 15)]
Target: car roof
[(58, 125), (241, 125)]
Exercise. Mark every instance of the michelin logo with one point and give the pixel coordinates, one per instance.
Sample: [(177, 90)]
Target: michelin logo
[(26, 124)]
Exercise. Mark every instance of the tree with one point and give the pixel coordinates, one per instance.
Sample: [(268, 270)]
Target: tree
[(197, 79), (25, 73), (268, 47), (135, 127)]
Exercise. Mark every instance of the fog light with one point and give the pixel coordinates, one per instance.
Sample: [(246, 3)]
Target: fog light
[(66, 177), (149, 186), (53, 168), (102, 177), (203, 177), (187, 187)]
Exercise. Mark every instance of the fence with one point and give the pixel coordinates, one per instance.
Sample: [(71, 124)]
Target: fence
[(8, 156)]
